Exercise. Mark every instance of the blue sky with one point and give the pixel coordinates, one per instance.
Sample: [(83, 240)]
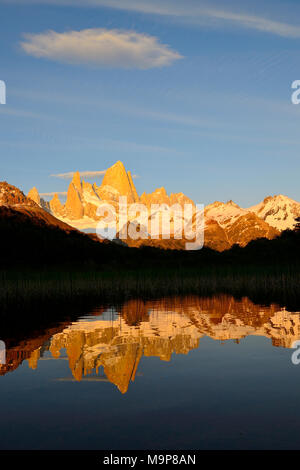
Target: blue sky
[(194, 96)]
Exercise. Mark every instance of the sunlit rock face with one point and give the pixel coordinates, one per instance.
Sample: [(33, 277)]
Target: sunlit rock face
[(115, 340), (117, 181), (84, 199), (159, 196), (133, 188), (56, 206), (73, 206), (77, 182), (34, 196), (279, 211)]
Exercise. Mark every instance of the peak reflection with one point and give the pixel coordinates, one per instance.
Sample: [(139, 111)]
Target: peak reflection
[(117, 339)]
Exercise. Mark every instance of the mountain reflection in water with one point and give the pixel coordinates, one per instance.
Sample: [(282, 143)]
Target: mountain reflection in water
[(117, 338)]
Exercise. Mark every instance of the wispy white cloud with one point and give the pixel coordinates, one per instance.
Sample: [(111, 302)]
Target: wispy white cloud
[(9, 111), (255, 22), (84, 174), (101, 47), (59, 193), (89, 174), (201, 14), (196, 12)]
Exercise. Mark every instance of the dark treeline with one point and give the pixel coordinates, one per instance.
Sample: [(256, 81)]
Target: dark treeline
[(26, 244), (45, 269)]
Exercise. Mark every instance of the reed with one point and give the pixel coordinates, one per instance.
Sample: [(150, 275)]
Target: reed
[(42, 291)]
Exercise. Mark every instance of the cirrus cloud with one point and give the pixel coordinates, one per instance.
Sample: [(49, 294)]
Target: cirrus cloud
[(101, 47), (200, 13), (70, 174), (59, 193), (91, 174)]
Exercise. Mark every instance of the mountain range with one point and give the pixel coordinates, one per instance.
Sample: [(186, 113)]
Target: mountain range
[(226, 224)]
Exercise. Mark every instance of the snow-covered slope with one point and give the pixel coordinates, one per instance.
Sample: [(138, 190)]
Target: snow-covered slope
[(239, 225), (278, 211), (224, 213)]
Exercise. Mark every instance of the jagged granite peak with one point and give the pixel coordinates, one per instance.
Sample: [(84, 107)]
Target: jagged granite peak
[(34, 195), (55, 205), (89, 193), (161, 191), (86, 186), (73, 206), (91, 200), (117, 182), (77, 181), (159, 196)]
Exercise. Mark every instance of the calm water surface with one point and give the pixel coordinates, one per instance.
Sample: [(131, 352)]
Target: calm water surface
[(190, 373)]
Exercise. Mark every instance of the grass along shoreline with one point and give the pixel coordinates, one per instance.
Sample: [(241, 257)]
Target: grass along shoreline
[(41, 290)]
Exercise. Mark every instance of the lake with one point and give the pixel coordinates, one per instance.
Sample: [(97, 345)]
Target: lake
[(177, 373)]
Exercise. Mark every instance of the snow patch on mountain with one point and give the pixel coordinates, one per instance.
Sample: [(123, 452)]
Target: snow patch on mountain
[(279, 211), (224, 213)]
